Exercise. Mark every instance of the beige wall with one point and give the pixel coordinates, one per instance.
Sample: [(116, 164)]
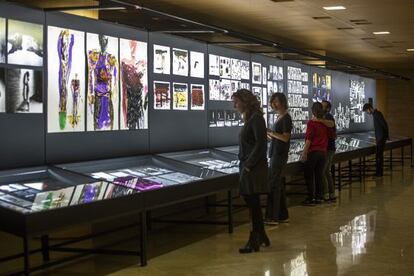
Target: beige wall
[(396, 99)]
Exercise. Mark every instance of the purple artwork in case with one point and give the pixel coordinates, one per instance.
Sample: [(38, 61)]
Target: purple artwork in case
[(137, 183)]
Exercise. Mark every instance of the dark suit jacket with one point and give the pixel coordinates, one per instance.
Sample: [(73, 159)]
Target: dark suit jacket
[(252, 155), (380, 126)]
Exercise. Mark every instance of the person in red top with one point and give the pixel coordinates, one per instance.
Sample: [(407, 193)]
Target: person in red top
[(314, 155)]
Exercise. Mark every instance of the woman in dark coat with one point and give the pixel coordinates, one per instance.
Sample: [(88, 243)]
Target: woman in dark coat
[(253, 164)]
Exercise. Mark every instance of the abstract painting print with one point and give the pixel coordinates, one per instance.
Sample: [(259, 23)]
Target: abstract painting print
[(25, 43), (197, 97), (66, 80), (180, 96), (103, 79), (3, 44), (162, 59), (2, 90), (162, 95), (24, 91), (180, 62), (134, 84), (197, 65), (214, 65)]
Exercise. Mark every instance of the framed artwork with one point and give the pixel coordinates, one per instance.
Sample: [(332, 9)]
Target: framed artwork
[(162, 95), (3, 44), (197, 97), (257, 73), (134, 84), (24, 43), (66, 80), (225, 67), (180, 96), (103, 78), (214, 65), (214, 92), (357, 99), (197, 64), (245, 70), (180, 62), (236, 69), (162, 59), (24, 91)]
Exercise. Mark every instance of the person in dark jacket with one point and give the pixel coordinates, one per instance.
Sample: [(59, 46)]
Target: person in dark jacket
[(276, 210), (314, 155), (253, 164), (381, 136)]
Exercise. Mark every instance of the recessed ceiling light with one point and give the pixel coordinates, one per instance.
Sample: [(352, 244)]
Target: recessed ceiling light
[(410, 50), (381, 33), (334, 8)]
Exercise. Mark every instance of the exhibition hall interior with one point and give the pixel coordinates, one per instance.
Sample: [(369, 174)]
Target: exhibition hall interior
[(206, 137)]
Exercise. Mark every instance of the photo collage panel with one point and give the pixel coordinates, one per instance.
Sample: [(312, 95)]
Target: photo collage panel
[(321, 87), (298, 98), (225, 118), (357, 99)]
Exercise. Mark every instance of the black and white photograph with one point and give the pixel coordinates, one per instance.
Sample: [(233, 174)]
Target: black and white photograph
[(196, 64), (24, 91), (245, 85), (24, 43), (294, 73), (180, 62), (2, 90), (3, 44), (221, 118), (270, 88), (357, 99), (225, 68), (214, 92), (256, 73), (257, 91), (212, 118), (264, 75), (245, 70), (236, 69), (162, 59), (214, 65), (235, 85), (225, 90), (342, 115), (180, 177)]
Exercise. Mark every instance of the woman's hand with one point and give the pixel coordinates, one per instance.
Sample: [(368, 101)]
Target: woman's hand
[(304, 157)]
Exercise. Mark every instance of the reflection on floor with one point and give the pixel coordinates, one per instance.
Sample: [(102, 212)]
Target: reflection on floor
[(368, 232)]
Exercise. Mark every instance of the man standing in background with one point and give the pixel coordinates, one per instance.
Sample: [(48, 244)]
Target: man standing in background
[(381, 136)]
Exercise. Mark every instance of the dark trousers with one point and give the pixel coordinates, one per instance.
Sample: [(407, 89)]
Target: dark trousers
[(276, 208), (314, 174), (253, 203), (379, 158)]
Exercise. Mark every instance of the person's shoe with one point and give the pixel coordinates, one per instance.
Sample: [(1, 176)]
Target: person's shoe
[(264, 240), (309, 202), (251, 246), (284, 220), (271, 222)]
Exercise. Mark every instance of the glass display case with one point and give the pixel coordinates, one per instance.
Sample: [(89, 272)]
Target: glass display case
[(44, 188), (210, 161), (142, 173)]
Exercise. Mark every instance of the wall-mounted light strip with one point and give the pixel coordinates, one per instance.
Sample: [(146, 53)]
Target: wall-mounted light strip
[(381, 33), (410, 50), (334, 8)]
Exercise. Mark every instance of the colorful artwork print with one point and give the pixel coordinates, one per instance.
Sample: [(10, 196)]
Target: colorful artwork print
[(197, 64), (2, 90), (322, 85), (180, 96), (24, 91), (134, 84), (66, 80), (197, 97), (162, 95), (3, 45), (24, 43), (103, 94), (180, 62), (162, 59)]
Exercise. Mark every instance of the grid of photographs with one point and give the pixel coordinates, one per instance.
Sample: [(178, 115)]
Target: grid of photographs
[(321, 87), (225, 118), (357, 98), (342, 115), (273, 81), (298, 98), (227, 75)]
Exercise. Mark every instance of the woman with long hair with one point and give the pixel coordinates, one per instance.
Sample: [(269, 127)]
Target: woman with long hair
[(253, 164), (277, 211), (314, 155)]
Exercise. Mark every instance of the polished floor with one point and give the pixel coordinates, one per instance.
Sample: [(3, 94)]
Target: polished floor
[(370, 231)]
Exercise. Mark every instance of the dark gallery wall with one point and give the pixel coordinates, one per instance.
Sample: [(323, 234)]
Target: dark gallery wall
[(25, 140)]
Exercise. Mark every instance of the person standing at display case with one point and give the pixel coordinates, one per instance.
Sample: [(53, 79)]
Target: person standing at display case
[(381, 136), (314, 155), (328, 182), (276, 210), (253, 164)]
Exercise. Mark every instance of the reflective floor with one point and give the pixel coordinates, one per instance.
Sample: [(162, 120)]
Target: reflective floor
[(370, 231)]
